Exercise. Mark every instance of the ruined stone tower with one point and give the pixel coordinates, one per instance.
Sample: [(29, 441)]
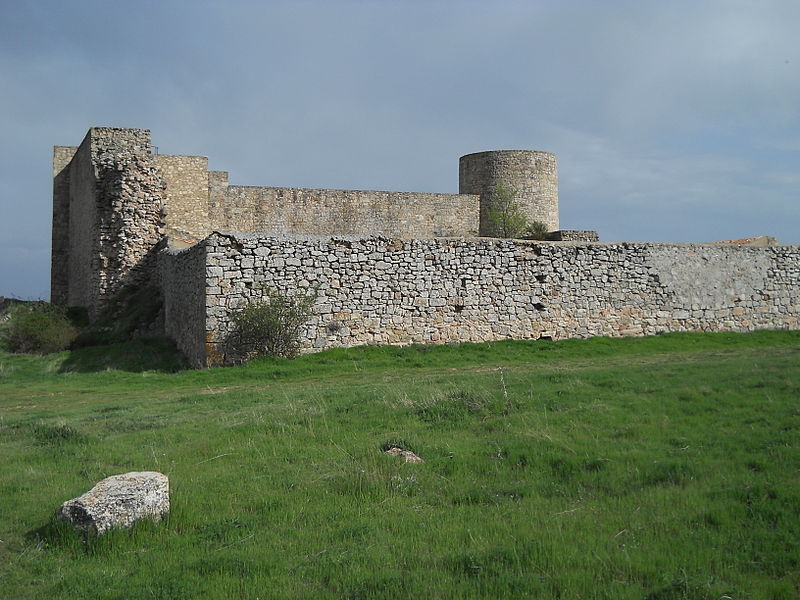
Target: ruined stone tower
[(108, 196), (532, 175)]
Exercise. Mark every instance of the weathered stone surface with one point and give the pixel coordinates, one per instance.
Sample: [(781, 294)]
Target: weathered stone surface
[(455, 290), (573, 235), (532, 176), (119, 501), (107, 216)]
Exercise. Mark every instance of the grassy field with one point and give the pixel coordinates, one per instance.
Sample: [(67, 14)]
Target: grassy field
[(654, 468)]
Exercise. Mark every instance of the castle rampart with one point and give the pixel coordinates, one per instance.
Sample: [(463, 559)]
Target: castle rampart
[(346, 212), (390, 291), (186, 206)]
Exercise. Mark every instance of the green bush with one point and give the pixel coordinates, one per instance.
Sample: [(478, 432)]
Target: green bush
[(536, 230), (505, 215), (134, 311), (38, 328), (269, 326), (507, 218)]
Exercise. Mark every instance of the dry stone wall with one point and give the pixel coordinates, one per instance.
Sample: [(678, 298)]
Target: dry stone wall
[(391, 291)]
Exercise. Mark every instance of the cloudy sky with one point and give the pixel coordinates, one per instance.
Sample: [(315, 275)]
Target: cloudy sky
[(672, 121)]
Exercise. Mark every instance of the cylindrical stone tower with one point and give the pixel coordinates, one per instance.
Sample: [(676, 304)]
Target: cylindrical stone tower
[(531, 175)]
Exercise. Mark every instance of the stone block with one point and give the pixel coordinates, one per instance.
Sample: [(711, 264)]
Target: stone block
[(118, 501)]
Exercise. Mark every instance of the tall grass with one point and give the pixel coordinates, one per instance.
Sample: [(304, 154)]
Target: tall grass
[(651, 468)]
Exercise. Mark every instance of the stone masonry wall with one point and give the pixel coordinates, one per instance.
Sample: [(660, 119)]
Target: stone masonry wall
[(107, 214), (186, 195), (217, 190), (573, 235), (390, 291), (182, 275), (342, 212), (531, 174), (82, 263), (59, 272), (129, 226)]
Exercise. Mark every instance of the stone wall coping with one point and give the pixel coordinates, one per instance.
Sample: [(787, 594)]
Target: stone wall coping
[(182, 155), (509, 152), (132, 129), (323, 190), (239, 235)]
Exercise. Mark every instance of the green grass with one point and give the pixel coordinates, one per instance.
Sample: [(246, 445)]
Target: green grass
[(655, 468)]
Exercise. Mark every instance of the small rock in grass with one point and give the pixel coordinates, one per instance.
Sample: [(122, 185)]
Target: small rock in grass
[(407, 454), (118, 501)]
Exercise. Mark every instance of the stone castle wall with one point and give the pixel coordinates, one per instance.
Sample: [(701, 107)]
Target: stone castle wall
[(186, 195), (114, 201), (390, 291), (344, 212), (573, 235), (107, 214), (181, 276), (60, 246), (130, 202), (387, 267), (83, 266)]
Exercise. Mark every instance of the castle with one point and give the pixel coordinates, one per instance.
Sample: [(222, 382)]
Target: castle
[(386, 267)]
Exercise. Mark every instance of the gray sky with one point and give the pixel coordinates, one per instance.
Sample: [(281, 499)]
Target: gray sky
[(672, 121)]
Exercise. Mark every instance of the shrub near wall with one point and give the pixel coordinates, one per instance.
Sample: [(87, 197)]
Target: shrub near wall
[(38, 328), (270, 326)]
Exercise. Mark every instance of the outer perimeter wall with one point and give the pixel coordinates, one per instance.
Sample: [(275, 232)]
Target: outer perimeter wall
[(390, 291)]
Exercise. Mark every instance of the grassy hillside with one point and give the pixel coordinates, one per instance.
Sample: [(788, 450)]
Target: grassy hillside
[(652, 468)]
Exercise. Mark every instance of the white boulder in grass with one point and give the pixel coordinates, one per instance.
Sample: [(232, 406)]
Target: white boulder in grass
[(119, 501), (408, 455)]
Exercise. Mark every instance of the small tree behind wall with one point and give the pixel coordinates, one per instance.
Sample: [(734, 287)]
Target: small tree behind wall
[(507, 218), (505, 215)]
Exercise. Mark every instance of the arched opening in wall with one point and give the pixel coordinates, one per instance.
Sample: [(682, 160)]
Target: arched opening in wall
[(539, 306)]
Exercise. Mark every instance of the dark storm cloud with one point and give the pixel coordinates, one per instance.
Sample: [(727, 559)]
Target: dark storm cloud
[(672, 121)]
